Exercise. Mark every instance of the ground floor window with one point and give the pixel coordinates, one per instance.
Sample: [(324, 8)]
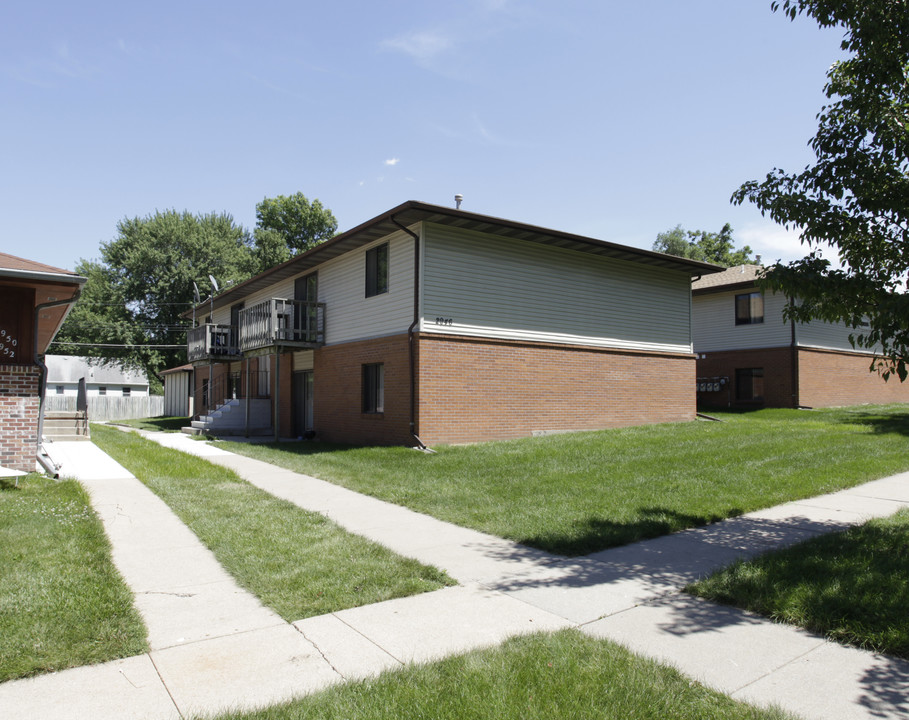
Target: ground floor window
[(59, 389), (749, 384), (374, 388), (127, 392), (102, 390)]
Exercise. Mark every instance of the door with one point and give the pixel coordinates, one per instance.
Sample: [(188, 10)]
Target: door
[(302, 405), (306, 289)]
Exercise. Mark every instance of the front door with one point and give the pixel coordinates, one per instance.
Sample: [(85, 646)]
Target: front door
[(302, 405)]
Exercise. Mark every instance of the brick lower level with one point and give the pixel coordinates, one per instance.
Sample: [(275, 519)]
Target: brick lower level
[(476, 389), (19, 406), (809, 377), (470, 389)]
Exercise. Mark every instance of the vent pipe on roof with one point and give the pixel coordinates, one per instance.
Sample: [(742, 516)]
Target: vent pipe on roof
[(458, 200)]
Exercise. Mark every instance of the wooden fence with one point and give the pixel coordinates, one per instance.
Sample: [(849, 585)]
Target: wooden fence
[(110, 407)]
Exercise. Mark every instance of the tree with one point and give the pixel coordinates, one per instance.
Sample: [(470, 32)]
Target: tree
[(302, 224), (855, 197), (704, 246), (136, 295)]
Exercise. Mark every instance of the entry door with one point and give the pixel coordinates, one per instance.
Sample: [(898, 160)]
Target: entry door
[(302, 406)]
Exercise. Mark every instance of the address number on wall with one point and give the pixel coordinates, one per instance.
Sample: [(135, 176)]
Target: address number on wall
[(8, 345), (444, 321)]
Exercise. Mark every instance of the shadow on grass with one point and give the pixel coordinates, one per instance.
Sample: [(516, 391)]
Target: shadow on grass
[(596, 534), (164, 424), (895, 422), (9, 483)]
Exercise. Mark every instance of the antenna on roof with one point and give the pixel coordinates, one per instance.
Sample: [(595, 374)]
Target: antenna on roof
[(458, 200)]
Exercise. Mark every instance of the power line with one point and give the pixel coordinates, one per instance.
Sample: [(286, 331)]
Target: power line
[(111, 345)]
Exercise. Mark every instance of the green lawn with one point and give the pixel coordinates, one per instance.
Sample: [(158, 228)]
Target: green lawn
[(537, 677), (581, 492), (157, 424), (852, 587), (298, 563), (62, 602)]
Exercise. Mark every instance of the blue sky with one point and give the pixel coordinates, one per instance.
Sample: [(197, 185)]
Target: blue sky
[(614, 120)]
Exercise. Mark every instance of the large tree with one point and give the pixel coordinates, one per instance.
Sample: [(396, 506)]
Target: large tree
[(717, 248), (135, 296), (293, 221), (854, 199)]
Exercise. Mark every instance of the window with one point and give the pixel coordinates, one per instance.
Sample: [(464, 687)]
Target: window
[(749, 308), (59, 389), (377, 270), (102, 390), (374, 388), (127, 392), (749, 384)]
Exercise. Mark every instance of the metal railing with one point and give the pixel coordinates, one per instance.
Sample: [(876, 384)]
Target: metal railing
[(282, 322), (233, 386), (212, 342)]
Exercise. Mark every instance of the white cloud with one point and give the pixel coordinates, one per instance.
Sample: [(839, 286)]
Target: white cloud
[(423, 46), (774, 242), (392, 161)]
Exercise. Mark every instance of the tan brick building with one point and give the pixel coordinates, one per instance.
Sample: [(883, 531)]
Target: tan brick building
[(436, 324)]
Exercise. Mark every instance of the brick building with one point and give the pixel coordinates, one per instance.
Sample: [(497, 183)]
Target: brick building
[(436, 324), (749, 355), (34, 301)]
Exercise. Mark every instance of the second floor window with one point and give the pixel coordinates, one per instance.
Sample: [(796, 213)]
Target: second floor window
[(749, 308), (377, 270), (127, 392)]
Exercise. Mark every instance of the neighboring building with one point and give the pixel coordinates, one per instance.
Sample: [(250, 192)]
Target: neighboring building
[(748, 355), (434, 323), (178, 391), (34, 301), (102, 378)]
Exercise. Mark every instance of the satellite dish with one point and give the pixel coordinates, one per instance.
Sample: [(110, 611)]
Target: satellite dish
[(196, 293), (214, 283)]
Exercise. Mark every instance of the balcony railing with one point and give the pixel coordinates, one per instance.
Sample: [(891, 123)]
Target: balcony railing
[(278, 322), (212, 342)]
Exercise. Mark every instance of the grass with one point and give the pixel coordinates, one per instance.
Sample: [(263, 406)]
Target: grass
[(62, 602), (582, 492), (536, 677), (297, 562), (852, 587), (156, 424)]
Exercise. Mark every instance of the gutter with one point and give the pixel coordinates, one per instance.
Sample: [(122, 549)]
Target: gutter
[(411, 340), (39, 361)]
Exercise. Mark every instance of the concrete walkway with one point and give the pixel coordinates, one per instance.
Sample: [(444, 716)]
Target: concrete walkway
[(215, 647)]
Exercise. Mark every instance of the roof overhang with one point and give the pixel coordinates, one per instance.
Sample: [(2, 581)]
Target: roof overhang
[(61, 289), (413, 212)]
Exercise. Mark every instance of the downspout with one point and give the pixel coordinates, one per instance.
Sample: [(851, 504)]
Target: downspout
[(39, 359), (411, 340), (794, 364)]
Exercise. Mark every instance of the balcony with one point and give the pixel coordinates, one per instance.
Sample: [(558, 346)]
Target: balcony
[(282, 323), (212, 342)]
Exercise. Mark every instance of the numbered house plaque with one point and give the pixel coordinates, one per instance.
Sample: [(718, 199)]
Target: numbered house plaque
[(9, 346)]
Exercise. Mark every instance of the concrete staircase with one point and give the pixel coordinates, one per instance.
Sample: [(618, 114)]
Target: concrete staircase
[(60, 426), (230, 419)]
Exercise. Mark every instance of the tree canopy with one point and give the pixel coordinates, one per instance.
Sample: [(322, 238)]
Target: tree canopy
[(854, 199), (296, 221), (709, 247), (130, 309)]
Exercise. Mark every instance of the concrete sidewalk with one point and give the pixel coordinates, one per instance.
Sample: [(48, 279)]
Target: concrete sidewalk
[(214, 646)]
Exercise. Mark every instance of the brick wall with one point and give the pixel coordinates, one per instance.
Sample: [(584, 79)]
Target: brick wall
[(777, 364), (473, 389), (831, 378), (337, 392), (19, 405)]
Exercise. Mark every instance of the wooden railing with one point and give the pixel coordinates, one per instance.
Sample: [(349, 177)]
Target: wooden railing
[(215, 342), (278, 322)]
